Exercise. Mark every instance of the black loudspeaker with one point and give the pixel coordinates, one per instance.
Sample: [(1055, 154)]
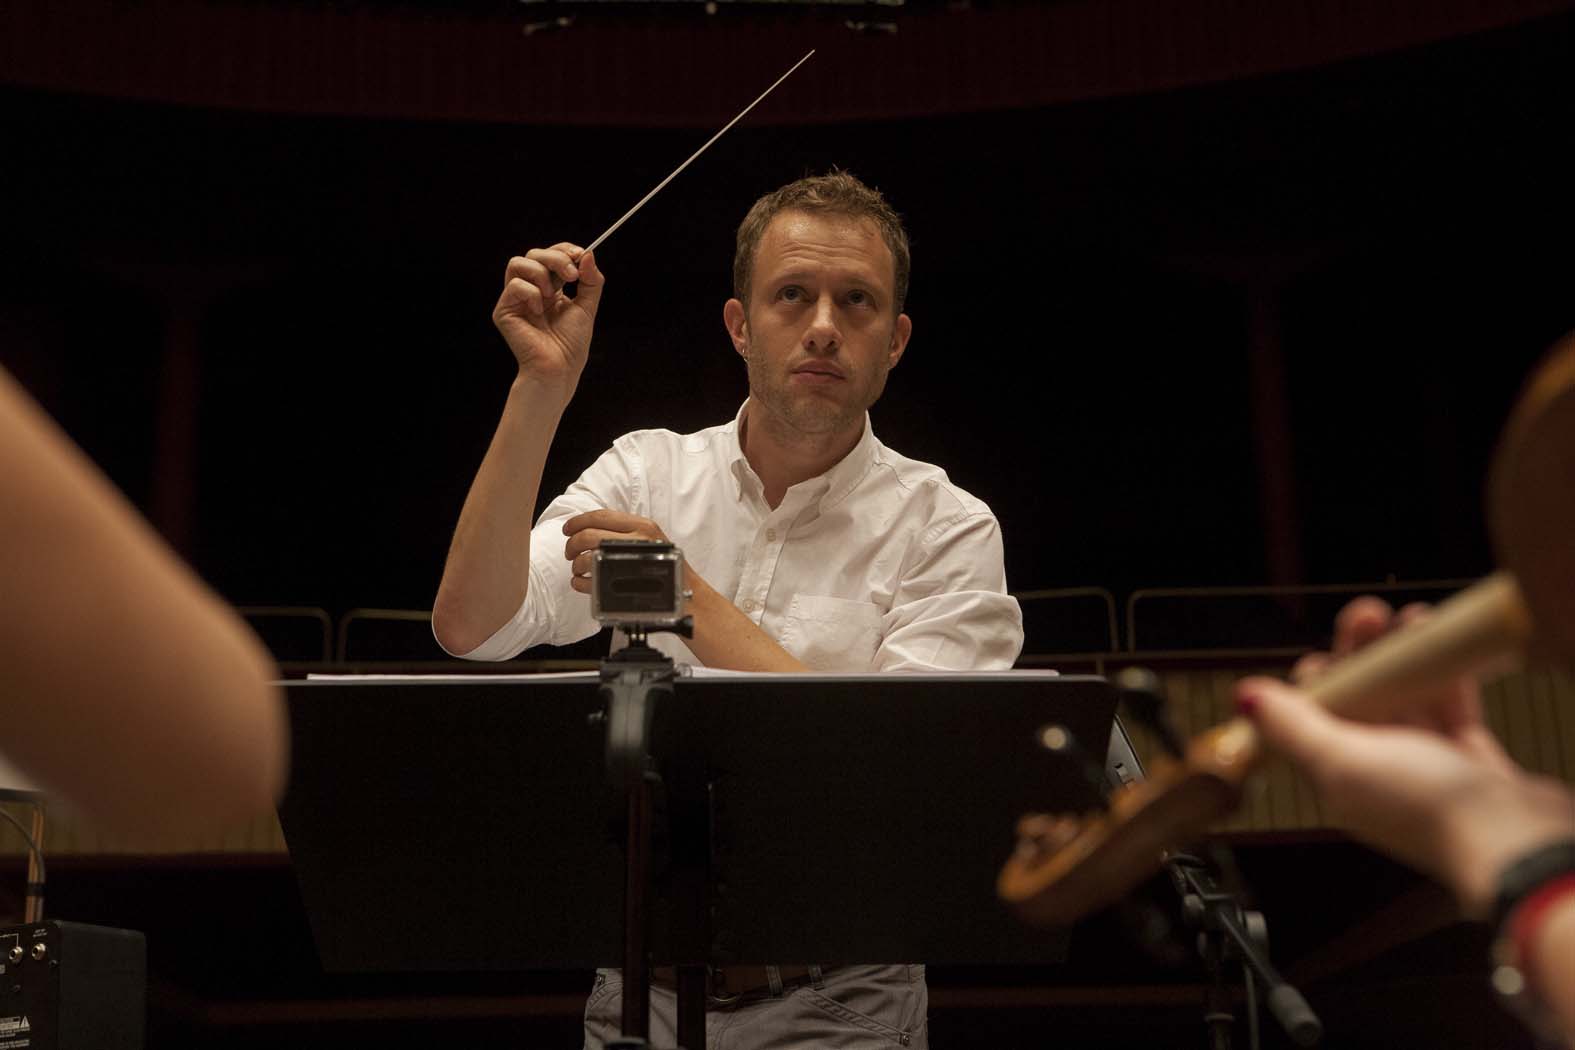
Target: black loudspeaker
[(69, 986)]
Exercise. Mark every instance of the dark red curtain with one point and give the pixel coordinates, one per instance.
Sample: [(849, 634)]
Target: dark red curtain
[(664, 69)]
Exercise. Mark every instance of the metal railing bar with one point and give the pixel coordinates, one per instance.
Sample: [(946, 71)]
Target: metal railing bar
[(1389, 586), (284, 612), (405, 615)]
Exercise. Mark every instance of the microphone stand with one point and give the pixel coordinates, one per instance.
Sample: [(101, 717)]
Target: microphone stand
[(1230, 932), (1227, 931)]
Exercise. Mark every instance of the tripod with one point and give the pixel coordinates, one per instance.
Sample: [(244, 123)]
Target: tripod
[(634, 682)]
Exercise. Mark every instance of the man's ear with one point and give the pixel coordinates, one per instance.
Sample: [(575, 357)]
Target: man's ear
[(736, 320), (900, 334)]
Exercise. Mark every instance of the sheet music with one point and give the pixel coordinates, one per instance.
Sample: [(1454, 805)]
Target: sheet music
[(683, 670), (545, 676), (688, 671)]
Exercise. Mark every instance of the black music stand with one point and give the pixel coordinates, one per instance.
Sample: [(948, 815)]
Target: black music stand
[(454, 824)]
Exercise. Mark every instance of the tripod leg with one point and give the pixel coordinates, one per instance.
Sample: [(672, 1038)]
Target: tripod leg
[(1216, 1010), (636, 962), (691, 1007)]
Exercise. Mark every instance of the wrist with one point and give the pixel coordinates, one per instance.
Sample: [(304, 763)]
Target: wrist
[(1495, 833), (542, 392), (1524, 885)]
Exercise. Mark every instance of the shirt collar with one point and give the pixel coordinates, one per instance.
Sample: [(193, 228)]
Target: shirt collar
[(744, 477), (851, 469), (829, 488)]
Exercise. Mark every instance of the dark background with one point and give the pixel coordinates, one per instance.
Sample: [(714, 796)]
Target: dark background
[(1204, 294), (1255, 331)]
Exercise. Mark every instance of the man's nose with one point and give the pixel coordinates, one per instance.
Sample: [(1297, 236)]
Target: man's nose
[(823, 334)]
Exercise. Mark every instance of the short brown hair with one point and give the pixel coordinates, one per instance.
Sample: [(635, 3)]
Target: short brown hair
[(838, 193)]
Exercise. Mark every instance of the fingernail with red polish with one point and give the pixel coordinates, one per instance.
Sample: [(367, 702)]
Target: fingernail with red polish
[(1247, 704)]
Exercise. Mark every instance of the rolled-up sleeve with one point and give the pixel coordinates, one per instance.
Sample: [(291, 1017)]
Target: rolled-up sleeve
[(553, 613), (950, 610)]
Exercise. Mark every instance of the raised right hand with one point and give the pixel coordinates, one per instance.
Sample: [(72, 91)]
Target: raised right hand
[(548, 332)]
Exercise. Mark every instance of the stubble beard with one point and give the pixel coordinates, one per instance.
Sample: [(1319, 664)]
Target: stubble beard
[(806, 412)]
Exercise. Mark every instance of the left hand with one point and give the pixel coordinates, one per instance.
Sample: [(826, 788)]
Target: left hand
[(586, 532), (1432, 787), (723, 635), (1448, 802), (1454, 708)]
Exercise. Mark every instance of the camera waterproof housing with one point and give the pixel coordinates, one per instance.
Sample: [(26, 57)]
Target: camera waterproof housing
[(638, 584)]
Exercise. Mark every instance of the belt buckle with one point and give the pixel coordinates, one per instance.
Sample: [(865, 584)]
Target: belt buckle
[(717, 980)]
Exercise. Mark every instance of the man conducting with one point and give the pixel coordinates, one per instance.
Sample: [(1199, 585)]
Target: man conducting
[(808, 544)]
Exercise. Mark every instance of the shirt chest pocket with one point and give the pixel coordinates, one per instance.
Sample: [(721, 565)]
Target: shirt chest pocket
[(832, 634)]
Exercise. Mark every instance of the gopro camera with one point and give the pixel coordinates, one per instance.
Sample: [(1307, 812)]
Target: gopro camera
[(638, 584)]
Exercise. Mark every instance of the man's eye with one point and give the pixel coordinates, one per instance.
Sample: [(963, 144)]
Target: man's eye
[(792, 293), (858, 298)]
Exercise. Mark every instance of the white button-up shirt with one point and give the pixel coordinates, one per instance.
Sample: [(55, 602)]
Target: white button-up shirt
[(879, 564)]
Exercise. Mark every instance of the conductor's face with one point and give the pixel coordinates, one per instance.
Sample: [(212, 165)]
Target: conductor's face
[(821, 329)]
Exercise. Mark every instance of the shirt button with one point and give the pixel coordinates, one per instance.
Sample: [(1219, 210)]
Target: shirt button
[(771, 535), (749, 605)]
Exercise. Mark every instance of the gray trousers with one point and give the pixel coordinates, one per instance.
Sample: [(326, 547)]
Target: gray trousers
[(853, 1008)]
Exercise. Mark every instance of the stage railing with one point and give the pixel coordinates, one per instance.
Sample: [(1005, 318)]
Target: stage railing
[(1078, 619), (1258, 617), (387, 634), (293, 633)]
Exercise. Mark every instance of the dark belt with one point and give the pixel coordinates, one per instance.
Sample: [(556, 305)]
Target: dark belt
[(726, 984)]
